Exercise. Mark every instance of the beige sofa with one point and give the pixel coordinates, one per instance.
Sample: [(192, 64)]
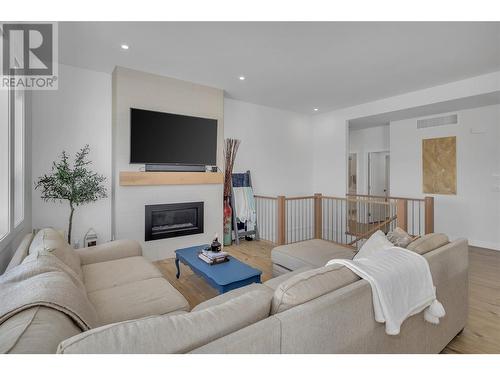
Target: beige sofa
[(309, 254), (310, 309), (120, 284)]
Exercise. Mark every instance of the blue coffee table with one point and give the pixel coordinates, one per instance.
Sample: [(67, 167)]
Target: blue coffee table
[(224, 276)]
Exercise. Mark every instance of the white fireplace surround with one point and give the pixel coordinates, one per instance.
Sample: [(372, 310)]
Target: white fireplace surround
[(143, 90)]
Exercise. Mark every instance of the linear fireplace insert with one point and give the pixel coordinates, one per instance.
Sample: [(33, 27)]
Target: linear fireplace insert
[(173, 220)]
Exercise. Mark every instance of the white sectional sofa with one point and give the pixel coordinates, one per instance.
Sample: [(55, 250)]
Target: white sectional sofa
[(309, 309)]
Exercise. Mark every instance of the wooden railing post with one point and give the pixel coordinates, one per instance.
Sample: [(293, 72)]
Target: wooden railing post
[(318, 216), (281, 220), (402, 214), (429, 215)]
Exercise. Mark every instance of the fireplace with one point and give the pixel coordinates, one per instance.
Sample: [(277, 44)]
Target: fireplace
[(173, 220)]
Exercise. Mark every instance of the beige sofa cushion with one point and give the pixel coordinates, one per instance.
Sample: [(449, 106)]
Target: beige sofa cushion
[(428, 243), (377, 241), (36, 330), (311, 253), (39, 237), (172, 334), (222, 298), (21, 252), (309, 285), (275, 282), (109, 251), (51, 240), (117, 272), (137, 300)]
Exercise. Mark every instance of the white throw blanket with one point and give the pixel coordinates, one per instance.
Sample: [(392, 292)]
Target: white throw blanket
[(43, 280), (401, 283), (245, 206)]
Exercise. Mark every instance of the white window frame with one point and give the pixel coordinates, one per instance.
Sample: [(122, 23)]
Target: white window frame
[(19, 223), (5, 236), (13, 228)]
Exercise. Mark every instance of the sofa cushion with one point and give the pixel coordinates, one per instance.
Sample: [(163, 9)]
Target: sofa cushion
[(137, 300), (399, 237), (309, 285), (107, 251), (222, 298), (21, 252), (377, 241), (173, 334), (276, 281), (51, 240), (428, 243), (280, 270), (39, 237), (117, 272), (36, 330), (312, 253)]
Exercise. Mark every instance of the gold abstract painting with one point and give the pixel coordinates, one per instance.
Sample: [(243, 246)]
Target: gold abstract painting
[(439, 161)]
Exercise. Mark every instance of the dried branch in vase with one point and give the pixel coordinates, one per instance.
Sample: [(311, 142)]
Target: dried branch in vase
[(230, 150)]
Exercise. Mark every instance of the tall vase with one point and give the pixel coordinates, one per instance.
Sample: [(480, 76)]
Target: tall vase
[(227, 222)]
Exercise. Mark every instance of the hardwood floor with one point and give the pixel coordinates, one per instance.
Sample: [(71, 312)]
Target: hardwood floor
[(481, 335), (254, 253)]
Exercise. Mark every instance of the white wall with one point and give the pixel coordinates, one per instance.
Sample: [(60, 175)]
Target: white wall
[(78, 113), (362, 142), (474, 212), (276, 146), (331, 131)]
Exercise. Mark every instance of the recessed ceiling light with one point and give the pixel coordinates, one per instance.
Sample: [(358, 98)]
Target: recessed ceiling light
[(242, 78), (315, 109), (124, 46)]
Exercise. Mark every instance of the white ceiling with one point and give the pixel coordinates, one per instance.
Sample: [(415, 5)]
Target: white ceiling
[(425, 110), (296, 66)]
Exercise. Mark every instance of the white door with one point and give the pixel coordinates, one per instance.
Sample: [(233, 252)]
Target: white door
[(378, 183), (353, 166)]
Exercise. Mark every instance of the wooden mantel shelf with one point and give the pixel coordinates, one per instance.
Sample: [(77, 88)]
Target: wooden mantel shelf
[(170, 178)]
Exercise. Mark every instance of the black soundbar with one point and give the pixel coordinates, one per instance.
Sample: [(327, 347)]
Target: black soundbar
[(174, 168)]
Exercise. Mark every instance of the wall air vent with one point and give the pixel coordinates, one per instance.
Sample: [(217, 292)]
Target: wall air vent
[(437, 121)]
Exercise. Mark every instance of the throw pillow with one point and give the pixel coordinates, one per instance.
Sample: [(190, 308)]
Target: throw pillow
[(51, 240), (377, 241), (399, 237), (428, 243)]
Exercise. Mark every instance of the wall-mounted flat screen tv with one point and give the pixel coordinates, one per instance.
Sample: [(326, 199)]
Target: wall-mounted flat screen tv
[(168, 138)]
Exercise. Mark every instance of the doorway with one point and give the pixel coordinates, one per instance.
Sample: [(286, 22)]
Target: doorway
[(353, 174), (352, 210), (378, 182)]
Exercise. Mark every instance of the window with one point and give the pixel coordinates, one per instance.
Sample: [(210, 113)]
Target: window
[(4, 163), (12, 160), (18, 172)]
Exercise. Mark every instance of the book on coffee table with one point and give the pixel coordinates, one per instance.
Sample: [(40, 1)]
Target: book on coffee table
[(214, 254), (216, 260)]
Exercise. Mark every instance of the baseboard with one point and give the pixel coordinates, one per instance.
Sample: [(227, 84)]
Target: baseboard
[(153, 253), (485, 244)]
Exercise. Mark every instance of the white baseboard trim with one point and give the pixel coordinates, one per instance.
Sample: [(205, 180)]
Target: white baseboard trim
[(153, 254), (485, 244)]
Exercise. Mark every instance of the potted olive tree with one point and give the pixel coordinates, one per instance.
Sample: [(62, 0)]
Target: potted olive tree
[(76, 184)]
